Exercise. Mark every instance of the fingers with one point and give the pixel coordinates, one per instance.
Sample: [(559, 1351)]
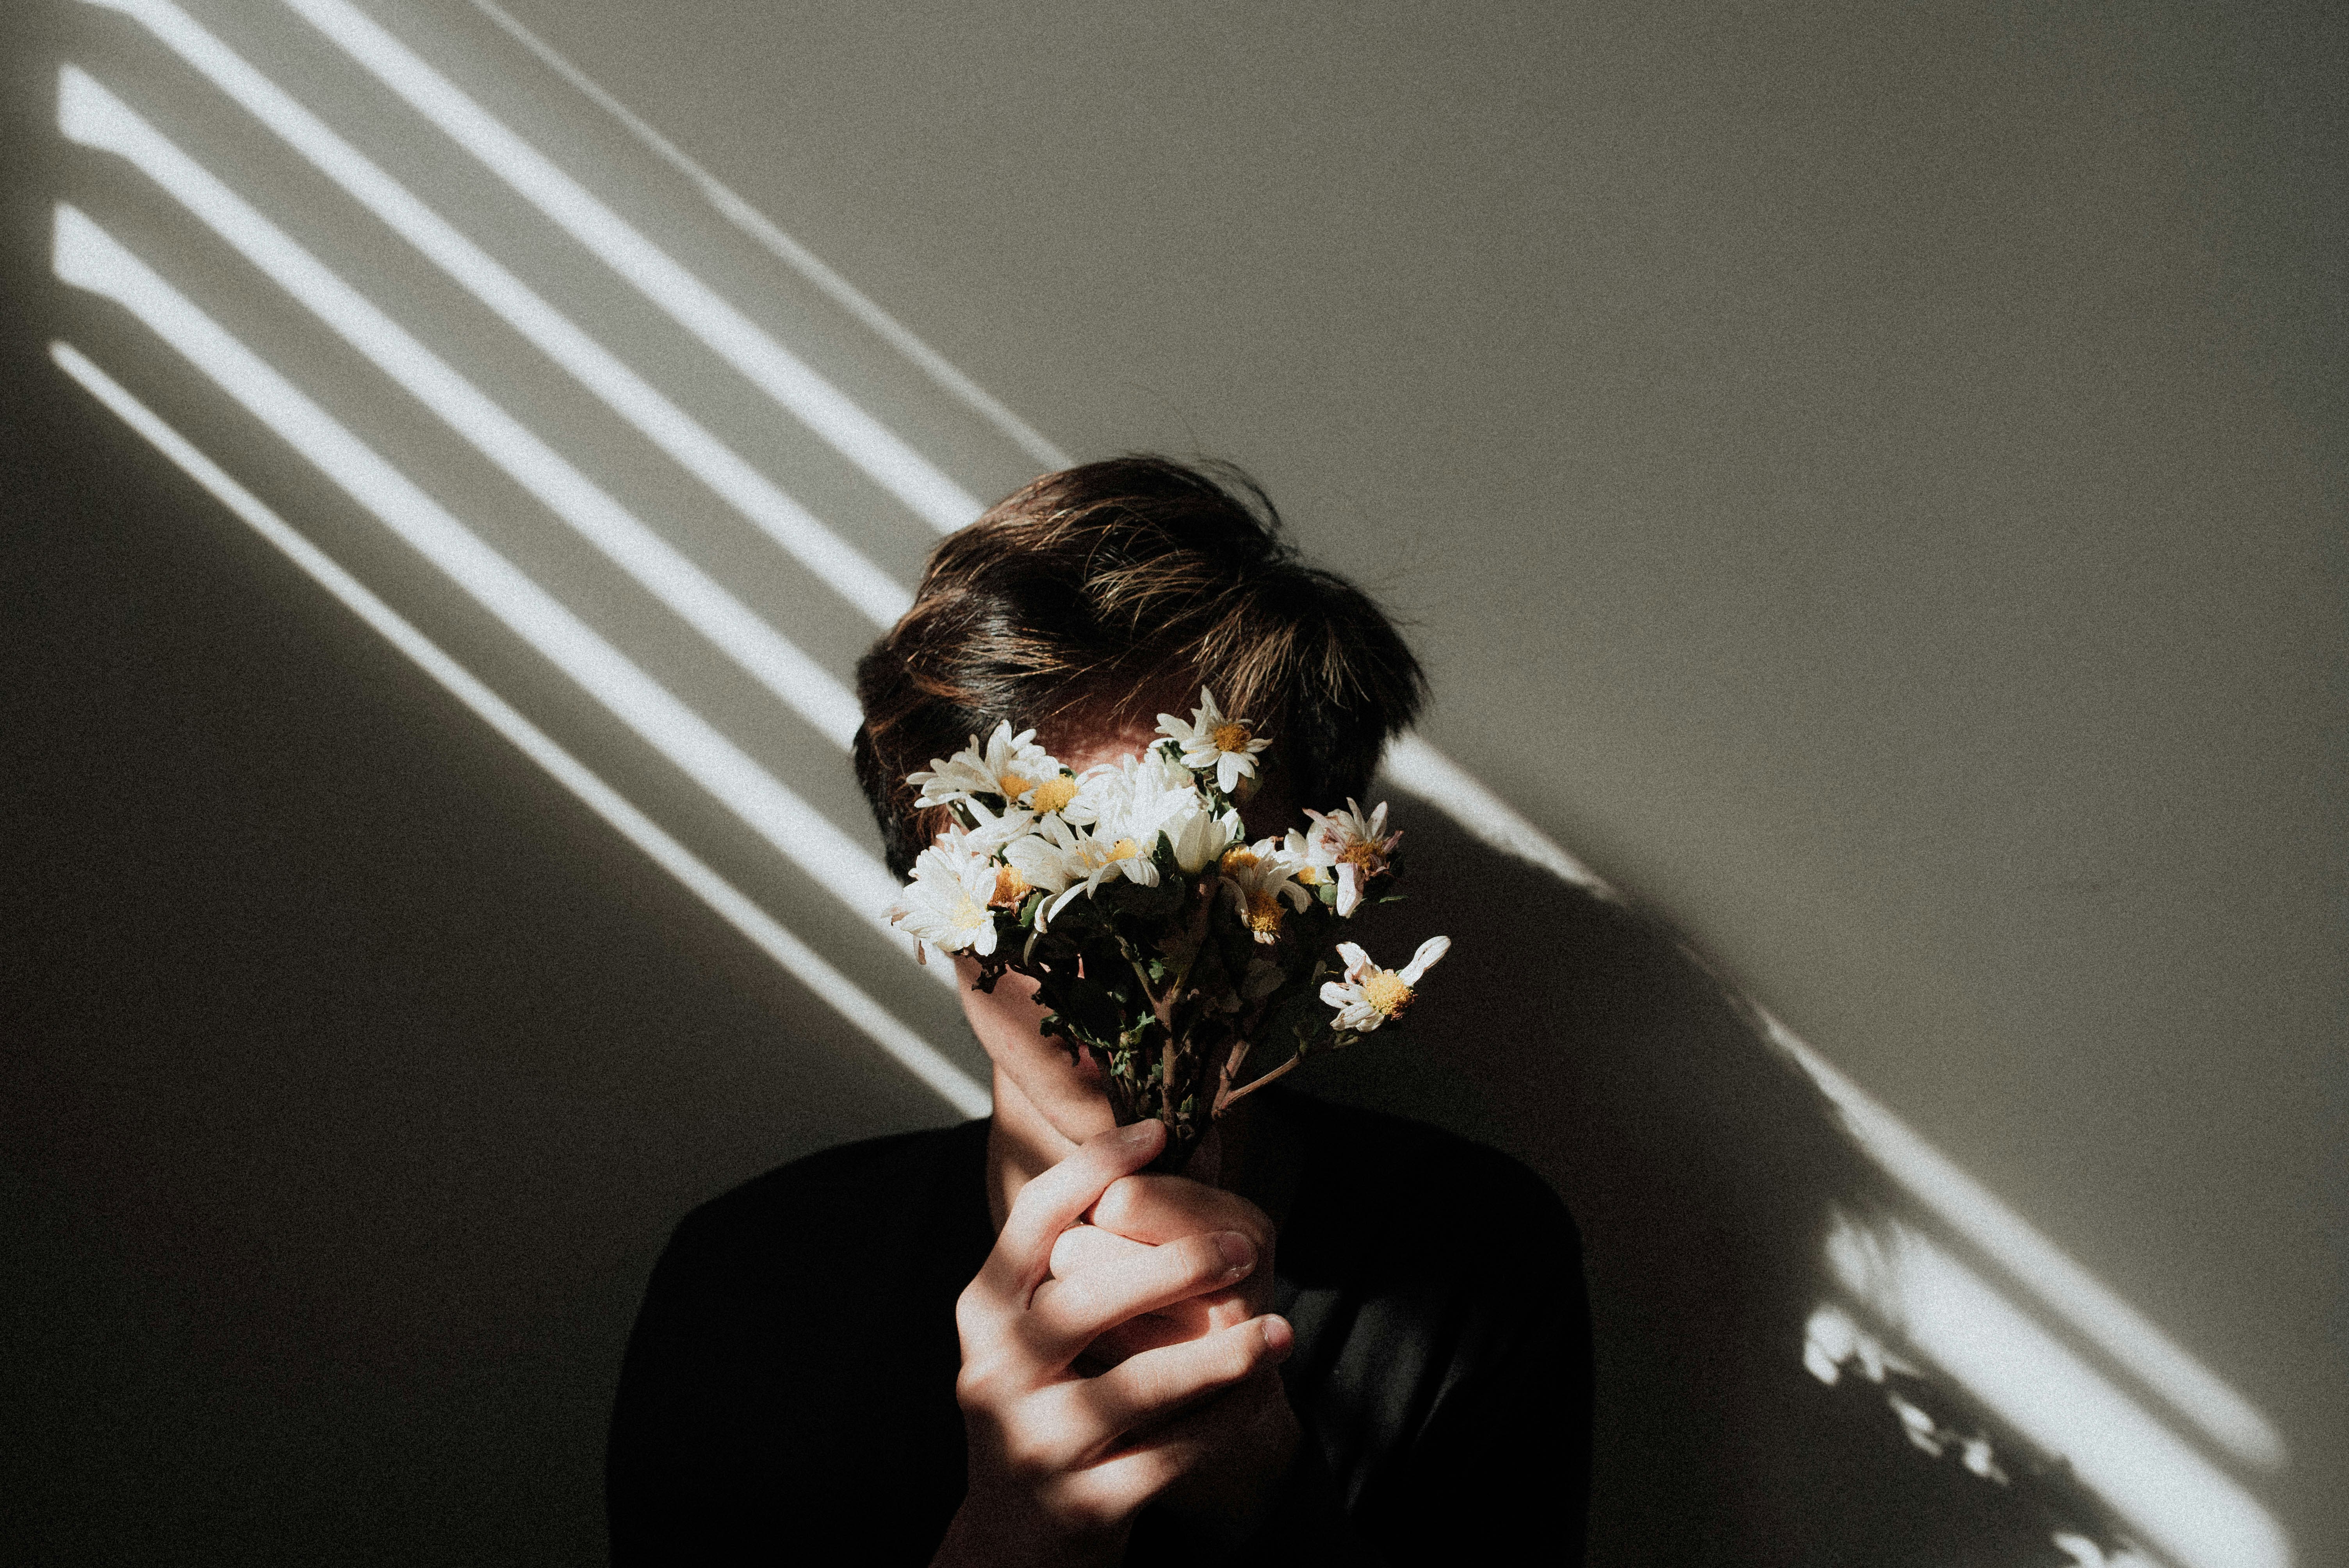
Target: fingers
[(1066, 1315), (1053, 1203), (1158, 1383), (1158, 1209), (1176, 1325), (1082, 1247)]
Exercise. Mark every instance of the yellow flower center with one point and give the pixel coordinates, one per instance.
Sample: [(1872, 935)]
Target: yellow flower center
[(1362, 852), (1124, 849), (1013, 786), (966, 915), (1263, 912), (1240, 859), (1053, 794), (1011, 887), (1310, 875), (1229, 738), (1384, 990)]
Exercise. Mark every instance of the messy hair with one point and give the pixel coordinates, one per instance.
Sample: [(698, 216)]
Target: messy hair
[(1102, 592)]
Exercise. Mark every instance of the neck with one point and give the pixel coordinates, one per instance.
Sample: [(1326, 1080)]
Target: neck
[(1246, 1152), (1021, 1145)]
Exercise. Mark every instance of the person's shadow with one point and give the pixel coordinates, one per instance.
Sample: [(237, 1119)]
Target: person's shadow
[(1704, 1169)]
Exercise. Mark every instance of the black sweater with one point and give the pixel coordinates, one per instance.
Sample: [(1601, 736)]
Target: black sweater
[(788, 1394)]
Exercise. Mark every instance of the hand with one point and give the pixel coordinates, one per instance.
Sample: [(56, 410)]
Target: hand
[(1152, 1211), (1254, 1432), (1061, 1462)]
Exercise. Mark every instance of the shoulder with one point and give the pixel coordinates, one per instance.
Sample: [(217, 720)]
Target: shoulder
[(1383, 1158), (837, 1199), (1376, 1184), (1443, 1362)]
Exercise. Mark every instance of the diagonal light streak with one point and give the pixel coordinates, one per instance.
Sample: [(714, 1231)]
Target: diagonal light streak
[(803, 962), (818, 547), (1434, 778), (885, 457), (2082, 1300), (90, 114), (1416, 764), (806, 263), (2066, 1288), (89, 258), (2193, 1514)]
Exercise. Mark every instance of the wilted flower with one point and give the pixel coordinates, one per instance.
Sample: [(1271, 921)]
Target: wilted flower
[(1369, 995), (945, 905), (1008, 764), (1258, 877), (1355, 848), (1210, 740)]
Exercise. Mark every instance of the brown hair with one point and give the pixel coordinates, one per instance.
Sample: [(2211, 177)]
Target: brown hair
[(1101, 590)]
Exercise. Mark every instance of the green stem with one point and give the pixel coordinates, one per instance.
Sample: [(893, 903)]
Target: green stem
[(1226, 1101)]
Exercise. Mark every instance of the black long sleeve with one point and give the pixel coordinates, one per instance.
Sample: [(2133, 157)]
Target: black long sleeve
[(788, 1394)]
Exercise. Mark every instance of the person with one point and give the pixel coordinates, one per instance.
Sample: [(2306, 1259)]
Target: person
[(1340, 1337)]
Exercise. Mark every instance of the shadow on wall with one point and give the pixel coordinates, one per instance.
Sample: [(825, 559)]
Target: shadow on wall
[(1707, 1172)]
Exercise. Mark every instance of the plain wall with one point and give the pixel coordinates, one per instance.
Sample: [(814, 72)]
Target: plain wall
[(1869, 479)]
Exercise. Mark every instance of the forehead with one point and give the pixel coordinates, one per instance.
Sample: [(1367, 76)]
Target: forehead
[(1081, 742)]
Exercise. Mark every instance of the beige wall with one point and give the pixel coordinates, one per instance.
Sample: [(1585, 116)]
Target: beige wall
[(1868, 476), (1868, 480)]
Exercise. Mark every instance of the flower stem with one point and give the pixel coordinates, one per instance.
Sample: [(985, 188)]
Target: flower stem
[(1231, 1096)]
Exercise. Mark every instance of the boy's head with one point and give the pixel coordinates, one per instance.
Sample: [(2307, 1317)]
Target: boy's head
[(1090, 599)]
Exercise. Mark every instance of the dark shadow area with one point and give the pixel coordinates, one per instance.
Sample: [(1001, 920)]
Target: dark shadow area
[(353, 1072), (1582, 1036)]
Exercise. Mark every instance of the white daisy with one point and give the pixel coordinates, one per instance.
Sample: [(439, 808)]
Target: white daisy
[(1044, 858), (947, 902), (1370, 996), (1210, 740), (1351, 847), (1301, 852), (1099, 858), (1258, 877), (1054, 794), (1200, 837), (1066, 861), (1008, 764), (990, 833), (1134, 797)]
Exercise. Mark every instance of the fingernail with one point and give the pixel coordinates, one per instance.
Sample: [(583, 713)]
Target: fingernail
[(1279, 1338), (1134, 1133), (1238, 1252)]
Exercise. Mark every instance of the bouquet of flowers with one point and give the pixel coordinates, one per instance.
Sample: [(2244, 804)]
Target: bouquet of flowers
[(1162, 940)]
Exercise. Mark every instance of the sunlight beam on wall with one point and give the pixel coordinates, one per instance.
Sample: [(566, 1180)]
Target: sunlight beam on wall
[(798, 257), (2186, 1508), (2083, 1301), (1417, 765), (841, 566), (884, 456), (803, 962), (2113, 1441), (87, 113), (1442, 783), (89, 258)]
